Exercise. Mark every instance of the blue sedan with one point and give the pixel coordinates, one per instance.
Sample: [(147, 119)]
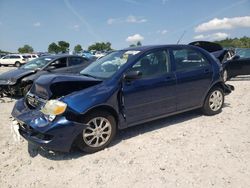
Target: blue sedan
[(125, 88)]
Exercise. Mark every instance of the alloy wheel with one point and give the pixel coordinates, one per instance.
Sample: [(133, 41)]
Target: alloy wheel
[(98, 132)]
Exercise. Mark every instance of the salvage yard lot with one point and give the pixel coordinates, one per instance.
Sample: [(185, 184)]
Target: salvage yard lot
[(187, 150)]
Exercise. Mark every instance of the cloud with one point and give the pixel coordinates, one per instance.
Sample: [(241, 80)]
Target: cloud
[(76, 27), (134, 19), (135, 38), (130, 19), (37, 24), (225, 23), (163, 32), (213, 36)]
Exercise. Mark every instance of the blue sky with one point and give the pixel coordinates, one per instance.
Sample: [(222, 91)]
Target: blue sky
[(122, 22)]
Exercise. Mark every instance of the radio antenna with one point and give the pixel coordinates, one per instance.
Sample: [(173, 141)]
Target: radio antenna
[(181, 37)]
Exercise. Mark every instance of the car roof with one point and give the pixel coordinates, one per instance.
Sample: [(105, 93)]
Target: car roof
[(60, 55), (149, 47)]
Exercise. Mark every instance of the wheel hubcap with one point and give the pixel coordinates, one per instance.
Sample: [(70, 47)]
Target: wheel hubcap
[(215, 100), (98, 132)]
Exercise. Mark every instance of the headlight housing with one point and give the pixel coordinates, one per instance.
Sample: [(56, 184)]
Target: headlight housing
[(54, 107)]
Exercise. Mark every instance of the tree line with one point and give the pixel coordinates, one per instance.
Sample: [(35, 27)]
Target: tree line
[(63, 46), (243, 42)]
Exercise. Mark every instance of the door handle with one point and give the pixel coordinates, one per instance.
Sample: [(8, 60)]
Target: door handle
[(167, 78), (206, 71)]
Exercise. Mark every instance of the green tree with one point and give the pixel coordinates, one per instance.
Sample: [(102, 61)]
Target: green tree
[(100, 46), (243, 42), (77, 48), (132, 45), (54, 48), (25, 49), (64, 46), (138, 43)]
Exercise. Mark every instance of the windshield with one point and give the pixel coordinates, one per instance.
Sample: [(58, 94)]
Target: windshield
[(37, 63), (243, 53), (108, 65)]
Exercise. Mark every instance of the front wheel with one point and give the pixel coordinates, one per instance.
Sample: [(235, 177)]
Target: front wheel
[(100, 132), (213, 102)]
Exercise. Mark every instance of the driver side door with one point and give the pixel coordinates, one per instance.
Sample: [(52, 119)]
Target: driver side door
[(153, 94)]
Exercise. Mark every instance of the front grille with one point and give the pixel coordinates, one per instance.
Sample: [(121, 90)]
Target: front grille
[(34, 101)]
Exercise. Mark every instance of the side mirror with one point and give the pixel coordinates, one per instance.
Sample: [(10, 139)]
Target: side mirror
[(50, 68), (132, 75)]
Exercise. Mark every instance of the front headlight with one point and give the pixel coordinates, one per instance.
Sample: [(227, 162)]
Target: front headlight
[(54, 107)]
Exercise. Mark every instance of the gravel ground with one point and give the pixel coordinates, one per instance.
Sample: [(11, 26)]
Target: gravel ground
[(187, 150)]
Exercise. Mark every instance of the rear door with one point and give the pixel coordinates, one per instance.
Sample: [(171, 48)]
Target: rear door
[(194, 75), (76, 64), (152, 95)]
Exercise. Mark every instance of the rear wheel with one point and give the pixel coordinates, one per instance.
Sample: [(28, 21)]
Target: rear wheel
[(100, 132), (214, 102), (17, 64)]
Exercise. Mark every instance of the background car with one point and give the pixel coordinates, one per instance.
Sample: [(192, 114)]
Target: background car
[(30, 56), (13, 59), (238, 65), (216, 50), (18, 82), (125, 88)]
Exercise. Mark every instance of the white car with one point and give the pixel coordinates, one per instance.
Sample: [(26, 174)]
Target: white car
[(30, 56), (13, 59)]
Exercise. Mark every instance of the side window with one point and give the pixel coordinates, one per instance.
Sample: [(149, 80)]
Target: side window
[(6, 57), (153, 64), (14, 57), (75, 61), (188, 59), (59, 63)]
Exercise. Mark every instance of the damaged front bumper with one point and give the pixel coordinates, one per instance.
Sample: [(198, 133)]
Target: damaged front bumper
[(35, 127), (228, 88)]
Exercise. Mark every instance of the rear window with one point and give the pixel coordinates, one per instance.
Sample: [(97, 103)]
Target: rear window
[(75, 61), (15, 57), (187, 59)]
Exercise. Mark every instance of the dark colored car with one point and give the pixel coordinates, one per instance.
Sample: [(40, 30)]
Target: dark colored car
[(125, 88), (215, 49), (19, 81), (238, 65)]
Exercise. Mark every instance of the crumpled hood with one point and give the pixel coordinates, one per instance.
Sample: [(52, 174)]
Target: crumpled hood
[(13, 75), (53, 86)]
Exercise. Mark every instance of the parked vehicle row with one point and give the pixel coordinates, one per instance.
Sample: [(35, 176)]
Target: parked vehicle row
[(13, 59), (19, 81), (16, 59), (125, 88)]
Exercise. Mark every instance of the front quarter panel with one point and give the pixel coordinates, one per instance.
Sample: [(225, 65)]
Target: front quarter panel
[(84, 100)]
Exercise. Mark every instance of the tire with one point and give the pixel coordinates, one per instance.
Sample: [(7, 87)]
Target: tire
[(213, 102), (17, 64), (95, 138), (225, 75), (26, 89)]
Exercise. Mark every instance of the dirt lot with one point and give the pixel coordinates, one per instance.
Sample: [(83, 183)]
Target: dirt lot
[(187, 150)]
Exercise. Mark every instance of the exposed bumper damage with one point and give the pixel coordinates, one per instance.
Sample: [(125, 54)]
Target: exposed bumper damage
[(228, 88), (35, 127)]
